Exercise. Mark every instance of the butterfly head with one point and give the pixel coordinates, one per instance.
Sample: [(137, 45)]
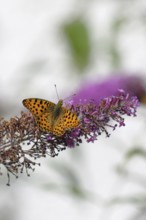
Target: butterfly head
[(60, 103)]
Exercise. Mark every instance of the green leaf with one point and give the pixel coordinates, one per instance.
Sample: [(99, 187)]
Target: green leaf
[(78, 38), (137, 151), (137, 199)]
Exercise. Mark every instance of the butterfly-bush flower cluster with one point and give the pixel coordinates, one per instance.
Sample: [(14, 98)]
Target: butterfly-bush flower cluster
[(131, 84), (21, 141)]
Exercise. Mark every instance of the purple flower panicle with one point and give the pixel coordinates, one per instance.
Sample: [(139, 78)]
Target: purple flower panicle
[(21, 141), (133, 85)]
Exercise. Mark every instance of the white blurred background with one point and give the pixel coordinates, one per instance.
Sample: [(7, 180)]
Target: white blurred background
[(38, 49)]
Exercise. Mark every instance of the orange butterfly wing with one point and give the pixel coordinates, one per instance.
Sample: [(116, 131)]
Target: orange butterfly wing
[(42, 110), (38, 106), (44, 114), (65, 121)]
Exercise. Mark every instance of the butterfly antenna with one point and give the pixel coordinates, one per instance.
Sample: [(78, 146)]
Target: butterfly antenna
[(56, 91), (69, 97)]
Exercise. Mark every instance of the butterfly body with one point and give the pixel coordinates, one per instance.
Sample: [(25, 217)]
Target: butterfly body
[(57, 109), (51, 117)]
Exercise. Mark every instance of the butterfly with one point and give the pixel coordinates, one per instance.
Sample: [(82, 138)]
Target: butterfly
[(51, 117)]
